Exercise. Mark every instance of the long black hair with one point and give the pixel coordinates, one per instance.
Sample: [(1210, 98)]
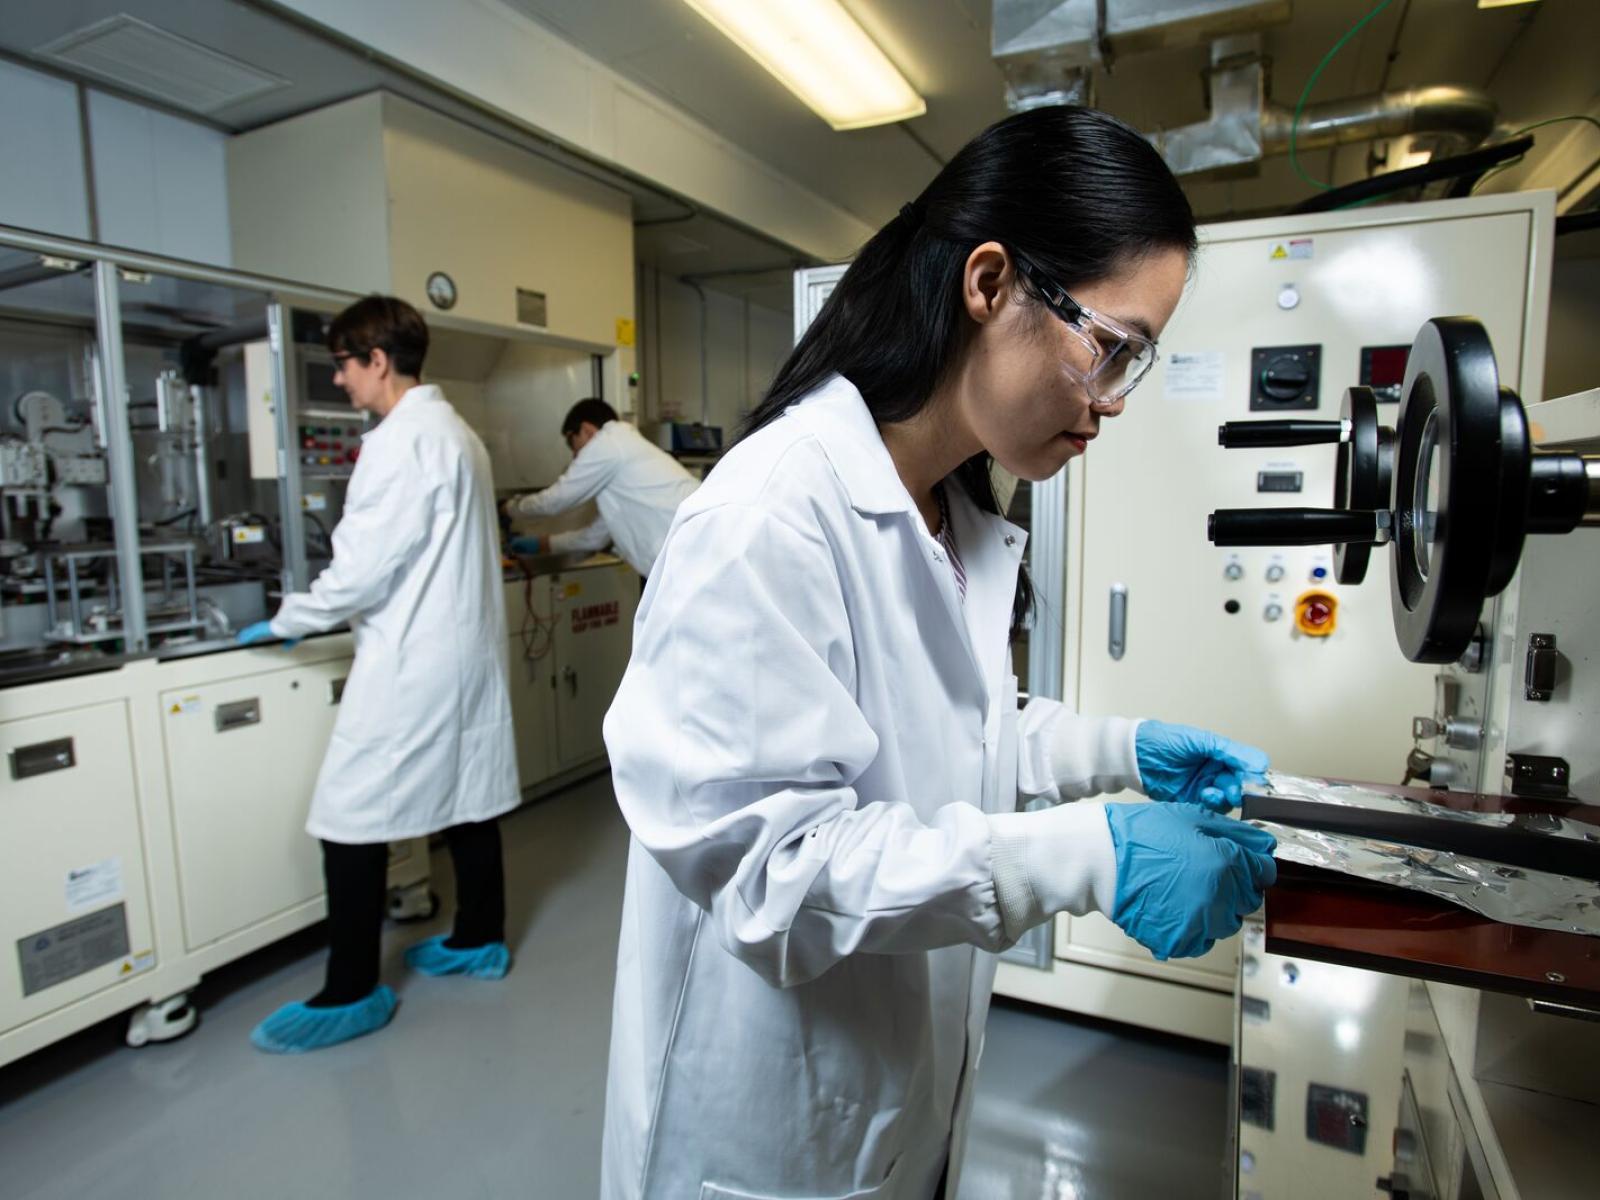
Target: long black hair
[(1074, 190)]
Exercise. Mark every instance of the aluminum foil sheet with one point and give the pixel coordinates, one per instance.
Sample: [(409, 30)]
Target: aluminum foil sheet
[(1537, 899), (1352, 795)]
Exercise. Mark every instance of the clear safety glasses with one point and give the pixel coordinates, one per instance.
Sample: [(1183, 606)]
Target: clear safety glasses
[(1119, 357)]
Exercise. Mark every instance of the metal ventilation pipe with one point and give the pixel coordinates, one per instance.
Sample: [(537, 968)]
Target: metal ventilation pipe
[(1465, 115)]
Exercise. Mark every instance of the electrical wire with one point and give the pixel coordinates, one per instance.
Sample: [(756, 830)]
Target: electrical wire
[(1294, 125), (1530, 129)]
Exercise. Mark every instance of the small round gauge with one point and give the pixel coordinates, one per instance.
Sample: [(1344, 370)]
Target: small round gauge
[(442, 290)]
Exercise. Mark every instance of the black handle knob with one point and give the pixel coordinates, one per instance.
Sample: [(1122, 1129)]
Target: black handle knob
[(1285, 379), (1237, 434), (1291, 527)]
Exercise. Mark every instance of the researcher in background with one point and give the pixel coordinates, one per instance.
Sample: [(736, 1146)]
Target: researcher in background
[(636, 486), (817, 744), (423, 740)]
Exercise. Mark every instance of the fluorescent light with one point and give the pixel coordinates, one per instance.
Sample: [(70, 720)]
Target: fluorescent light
[(1503, 3), (819, 52)]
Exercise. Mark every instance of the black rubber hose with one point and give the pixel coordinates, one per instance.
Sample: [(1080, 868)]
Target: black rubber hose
[(1474, 163)]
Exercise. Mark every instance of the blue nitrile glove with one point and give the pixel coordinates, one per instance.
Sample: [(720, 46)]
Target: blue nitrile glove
[(526, 547), (1186, 876), (1178, 762), (261, 631)]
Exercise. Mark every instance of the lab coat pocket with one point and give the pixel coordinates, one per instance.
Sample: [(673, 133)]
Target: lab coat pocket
[(711, 1191)]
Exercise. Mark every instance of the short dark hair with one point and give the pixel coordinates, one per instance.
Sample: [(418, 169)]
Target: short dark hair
[(384, 323), (593, 410)]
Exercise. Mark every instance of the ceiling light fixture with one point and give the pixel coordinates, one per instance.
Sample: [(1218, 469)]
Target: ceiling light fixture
[(1503, 3), (818, 51)]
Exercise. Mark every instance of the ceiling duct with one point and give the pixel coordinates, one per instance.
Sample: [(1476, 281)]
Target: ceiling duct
[(1048, 52), (1048, 49)]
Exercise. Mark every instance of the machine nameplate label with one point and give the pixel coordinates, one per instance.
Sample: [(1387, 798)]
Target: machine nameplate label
[(75, 948), (1196, 376), (94, 886)]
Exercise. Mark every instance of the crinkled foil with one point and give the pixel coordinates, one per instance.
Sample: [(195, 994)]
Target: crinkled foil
[(1537, 899), (1354, 796)]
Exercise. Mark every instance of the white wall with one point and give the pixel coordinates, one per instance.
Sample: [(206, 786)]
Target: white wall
[(746, 345), (160, 182)]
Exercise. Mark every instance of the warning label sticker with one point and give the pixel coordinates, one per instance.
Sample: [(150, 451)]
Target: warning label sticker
[(596, 616), (1195, 376), (75, 948), (94, 886), (1295, 249)]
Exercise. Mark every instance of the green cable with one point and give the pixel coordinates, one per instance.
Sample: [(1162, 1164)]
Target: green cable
[(1529, 129), (1294, 125)]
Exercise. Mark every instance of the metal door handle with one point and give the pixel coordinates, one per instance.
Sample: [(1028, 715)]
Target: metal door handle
[(571, 677), (238, 714), (1117, 643), (41, 758)]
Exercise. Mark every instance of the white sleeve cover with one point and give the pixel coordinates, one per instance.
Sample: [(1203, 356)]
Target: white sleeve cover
[(387, 519), (736, 744), (1052, 860), (1062, 756)]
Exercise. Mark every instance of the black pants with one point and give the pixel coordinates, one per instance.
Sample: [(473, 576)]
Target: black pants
[(357, 897)]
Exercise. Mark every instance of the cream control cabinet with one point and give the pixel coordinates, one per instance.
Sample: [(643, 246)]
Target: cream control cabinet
[(1281, 317), (76, 921), (235, 749)]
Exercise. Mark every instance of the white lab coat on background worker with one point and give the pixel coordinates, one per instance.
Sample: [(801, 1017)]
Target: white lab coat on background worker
[(423, 740), (636, 486), (802, 986)]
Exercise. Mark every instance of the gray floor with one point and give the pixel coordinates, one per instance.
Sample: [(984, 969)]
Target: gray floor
[(495, 1090)]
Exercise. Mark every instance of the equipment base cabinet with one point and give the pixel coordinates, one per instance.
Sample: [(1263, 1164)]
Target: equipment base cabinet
[(76, 919), (152, 817), (235, 750)]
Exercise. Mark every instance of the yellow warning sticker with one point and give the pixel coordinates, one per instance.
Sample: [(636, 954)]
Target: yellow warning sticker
[(625, 331), (1279, 250), (573, 589)]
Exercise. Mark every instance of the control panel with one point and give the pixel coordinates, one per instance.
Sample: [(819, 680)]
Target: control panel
[(329, 449), (1284, 378), (1383, 369), (1287, 588)]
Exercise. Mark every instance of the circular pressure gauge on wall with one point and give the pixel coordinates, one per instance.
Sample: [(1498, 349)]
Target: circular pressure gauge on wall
[(442, 290)]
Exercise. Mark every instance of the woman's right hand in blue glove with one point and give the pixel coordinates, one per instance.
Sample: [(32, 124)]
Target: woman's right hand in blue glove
[(1186, 876)]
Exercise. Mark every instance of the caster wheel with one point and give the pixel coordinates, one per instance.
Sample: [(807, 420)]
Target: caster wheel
[(165, 1021), (413, 905)]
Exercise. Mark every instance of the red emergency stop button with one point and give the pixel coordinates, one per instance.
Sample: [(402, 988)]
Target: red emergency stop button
[(1316, 614)]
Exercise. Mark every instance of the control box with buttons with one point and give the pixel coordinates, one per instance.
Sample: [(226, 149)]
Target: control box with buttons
[(329, 450), (1284, 378)]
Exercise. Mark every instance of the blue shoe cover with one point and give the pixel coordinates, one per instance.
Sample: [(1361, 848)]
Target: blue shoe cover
[(296, 1028), (433, 957)]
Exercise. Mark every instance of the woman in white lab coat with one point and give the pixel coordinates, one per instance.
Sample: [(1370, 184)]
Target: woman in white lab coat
[(423, 740), (817, 745)]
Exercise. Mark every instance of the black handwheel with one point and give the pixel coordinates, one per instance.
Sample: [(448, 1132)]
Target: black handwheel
[(1447, 489), (1362, 476)]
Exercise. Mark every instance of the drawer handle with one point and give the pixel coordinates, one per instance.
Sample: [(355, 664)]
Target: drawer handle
[(41, 758), (238, 714), (336, 690), (1117, 640)]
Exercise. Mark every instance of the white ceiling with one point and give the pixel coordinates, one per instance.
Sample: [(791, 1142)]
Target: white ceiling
[(1537, 59)]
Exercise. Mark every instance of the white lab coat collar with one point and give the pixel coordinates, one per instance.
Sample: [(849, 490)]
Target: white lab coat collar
[(841, 421), (410, 400), (990, 546)]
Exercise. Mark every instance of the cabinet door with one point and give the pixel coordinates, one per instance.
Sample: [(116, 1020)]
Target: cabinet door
[(531, 672), (593, 638), (76, 915), (242, 760)]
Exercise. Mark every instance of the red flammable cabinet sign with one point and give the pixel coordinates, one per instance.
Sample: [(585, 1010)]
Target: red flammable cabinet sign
[(596, 616)]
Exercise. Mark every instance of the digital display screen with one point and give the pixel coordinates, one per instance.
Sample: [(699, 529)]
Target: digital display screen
[(1383, 369)]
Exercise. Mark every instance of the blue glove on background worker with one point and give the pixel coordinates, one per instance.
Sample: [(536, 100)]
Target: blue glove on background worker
[(261, 631), (1193, 766), (526, 546), (1186, 876)]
